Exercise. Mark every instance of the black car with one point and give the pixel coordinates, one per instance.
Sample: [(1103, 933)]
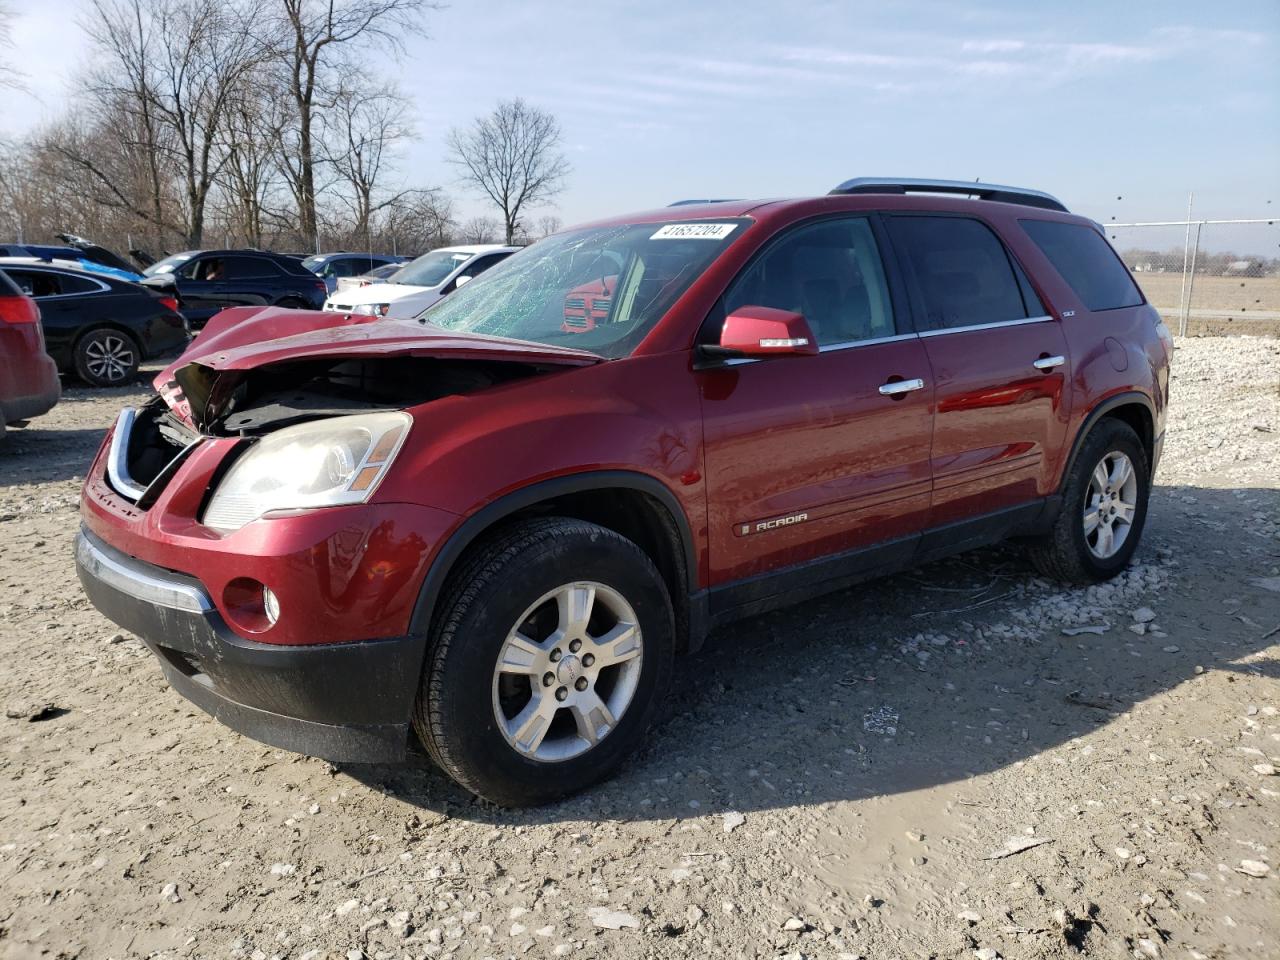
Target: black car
[(207, 281), (96, 326)]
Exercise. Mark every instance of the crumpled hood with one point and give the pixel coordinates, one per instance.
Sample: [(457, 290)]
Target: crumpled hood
[(242, 339)]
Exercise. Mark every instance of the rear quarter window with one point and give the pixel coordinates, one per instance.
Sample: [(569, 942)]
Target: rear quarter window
[(72, 284), (1086, 261)]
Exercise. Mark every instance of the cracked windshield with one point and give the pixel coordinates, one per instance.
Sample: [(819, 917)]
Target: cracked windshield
[(600, 289)]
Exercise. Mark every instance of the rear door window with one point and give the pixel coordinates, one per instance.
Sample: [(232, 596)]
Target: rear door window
[(249, 268), (964, 277), (1086, 261), (36, 283)]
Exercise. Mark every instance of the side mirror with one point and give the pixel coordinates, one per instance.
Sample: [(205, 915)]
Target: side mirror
[(461, 280), (758, 332)]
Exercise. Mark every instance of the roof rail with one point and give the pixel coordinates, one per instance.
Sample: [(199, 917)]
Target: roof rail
[(686, 203), (983, 191)]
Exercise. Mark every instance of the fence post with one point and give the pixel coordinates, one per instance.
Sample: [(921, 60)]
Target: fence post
[(1186, 251), (1191, 282)]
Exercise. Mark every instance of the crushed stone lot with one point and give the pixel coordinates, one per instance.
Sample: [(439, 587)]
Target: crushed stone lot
[(961, 761)]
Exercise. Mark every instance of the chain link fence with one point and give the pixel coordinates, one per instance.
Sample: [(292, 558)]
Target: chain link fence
[(1207, 276)]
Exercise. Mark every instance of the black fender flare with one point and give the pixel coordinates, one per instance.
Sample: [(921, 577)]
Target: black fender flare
[(1111, 403), (511, 503)]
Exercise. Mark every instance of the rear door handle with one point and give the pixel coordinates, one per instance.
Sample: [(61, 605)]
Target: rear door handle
[(1048, 363), (897, 387)]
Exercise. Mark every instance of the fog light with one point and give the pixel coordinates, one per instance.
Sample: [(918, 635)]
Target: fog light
[(270, 605)]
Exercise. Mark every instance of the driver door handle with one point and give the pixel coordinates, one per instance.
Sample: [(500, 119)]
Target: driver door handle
[(1048, 363), (898, 387)]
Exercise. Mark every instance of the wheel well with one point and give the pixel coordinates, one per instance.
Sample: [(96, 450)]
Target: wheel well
[(1138, 417), (1130, 410), (636, 515)]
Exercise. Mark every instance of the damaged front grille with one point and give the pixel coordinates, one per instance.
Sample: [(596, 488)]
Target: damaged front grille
[(147, 447)]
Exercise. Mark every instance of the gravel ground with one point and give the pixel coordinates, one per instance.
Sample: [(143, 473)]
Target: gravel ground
[(939, 765)]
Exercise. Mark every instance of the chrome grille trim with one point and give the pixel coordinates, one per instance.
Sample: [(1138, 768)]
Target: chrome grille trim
[(117, 457)]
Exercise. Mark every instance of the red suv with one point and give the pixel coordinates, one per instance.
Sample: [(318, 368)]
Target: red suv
[(29, 384), (503, 533)]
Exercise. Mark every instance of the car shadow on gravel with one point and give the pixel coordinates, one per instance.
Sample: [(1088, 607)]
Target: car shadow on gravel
[(40, 454), (888, 687), (44, 452)]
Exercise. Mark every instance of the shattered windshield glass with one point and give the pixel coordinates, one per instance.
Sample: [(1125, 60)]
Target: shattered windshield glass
[(600, 289)]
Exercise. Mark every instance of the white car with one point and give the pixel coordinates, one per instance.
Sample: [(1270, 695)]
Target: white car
[(420, 283)]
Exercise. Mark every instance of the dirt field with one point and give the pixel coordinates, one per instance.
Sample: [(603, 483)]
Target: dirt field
[(937, 765), (1219, 305)]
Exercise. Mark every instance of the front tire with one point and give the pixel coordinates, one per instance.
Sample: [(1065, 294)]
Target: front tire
[(1104, 508), (107, 358), (552, 648)]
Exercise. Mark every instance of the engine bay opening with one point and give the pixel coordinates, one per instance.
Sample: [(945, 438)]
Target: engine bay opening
[(279, 395)]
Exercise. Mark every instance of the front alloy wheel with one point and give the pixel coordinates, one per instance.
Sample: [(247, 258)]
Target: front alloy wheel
[(568, 671), (551, 648)]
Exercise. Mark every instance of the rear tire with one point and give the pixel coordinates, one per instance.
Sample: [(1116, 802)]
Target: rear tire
[(107, 357), (292, 303), (1104, 508), (552, 648)]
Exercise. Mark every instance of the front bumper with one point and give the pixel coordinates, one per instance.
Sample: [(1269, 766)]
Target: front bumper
[(339, 701)]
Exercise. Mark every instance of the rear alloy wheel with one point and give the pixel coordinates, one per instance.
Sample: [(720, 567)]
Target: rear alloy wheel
[(552, 647), (106, 358), (1110, 505), (1104, 507)]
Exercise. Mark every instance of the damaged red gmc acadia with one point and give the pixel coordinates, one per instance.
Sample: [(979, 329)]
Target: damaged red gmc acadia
[(502, 533)]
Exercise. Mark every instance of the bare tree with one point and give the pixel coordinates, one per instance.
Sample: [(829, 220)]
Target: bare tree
[(363, 129), (10, 76), (480, 230), (513, 157), (548, 225), (417, 222), (250, 180), (167, 72), (312, 37)]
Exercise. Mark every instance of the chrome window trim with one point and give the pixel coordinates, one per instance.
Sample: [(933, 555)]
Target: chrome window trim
[(833, 347), (984, 326), (131, 578), (851, 344)]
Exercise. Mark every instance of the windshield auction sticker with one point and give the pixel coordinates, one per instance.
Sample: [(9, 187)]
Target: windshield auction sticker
[(694, 231)]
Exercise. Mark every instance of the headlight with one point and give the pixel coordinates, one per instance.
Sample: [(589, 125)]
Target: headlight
[(372, 309), (323, 463)]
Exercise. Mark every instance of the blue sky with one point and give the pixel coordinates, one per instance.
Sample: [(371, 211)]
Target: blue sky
[(663, 100)]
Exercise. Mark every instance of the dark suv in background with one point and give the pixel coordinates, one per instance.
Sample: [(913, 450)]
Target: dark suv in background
[(500, 533), (207, 281)]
